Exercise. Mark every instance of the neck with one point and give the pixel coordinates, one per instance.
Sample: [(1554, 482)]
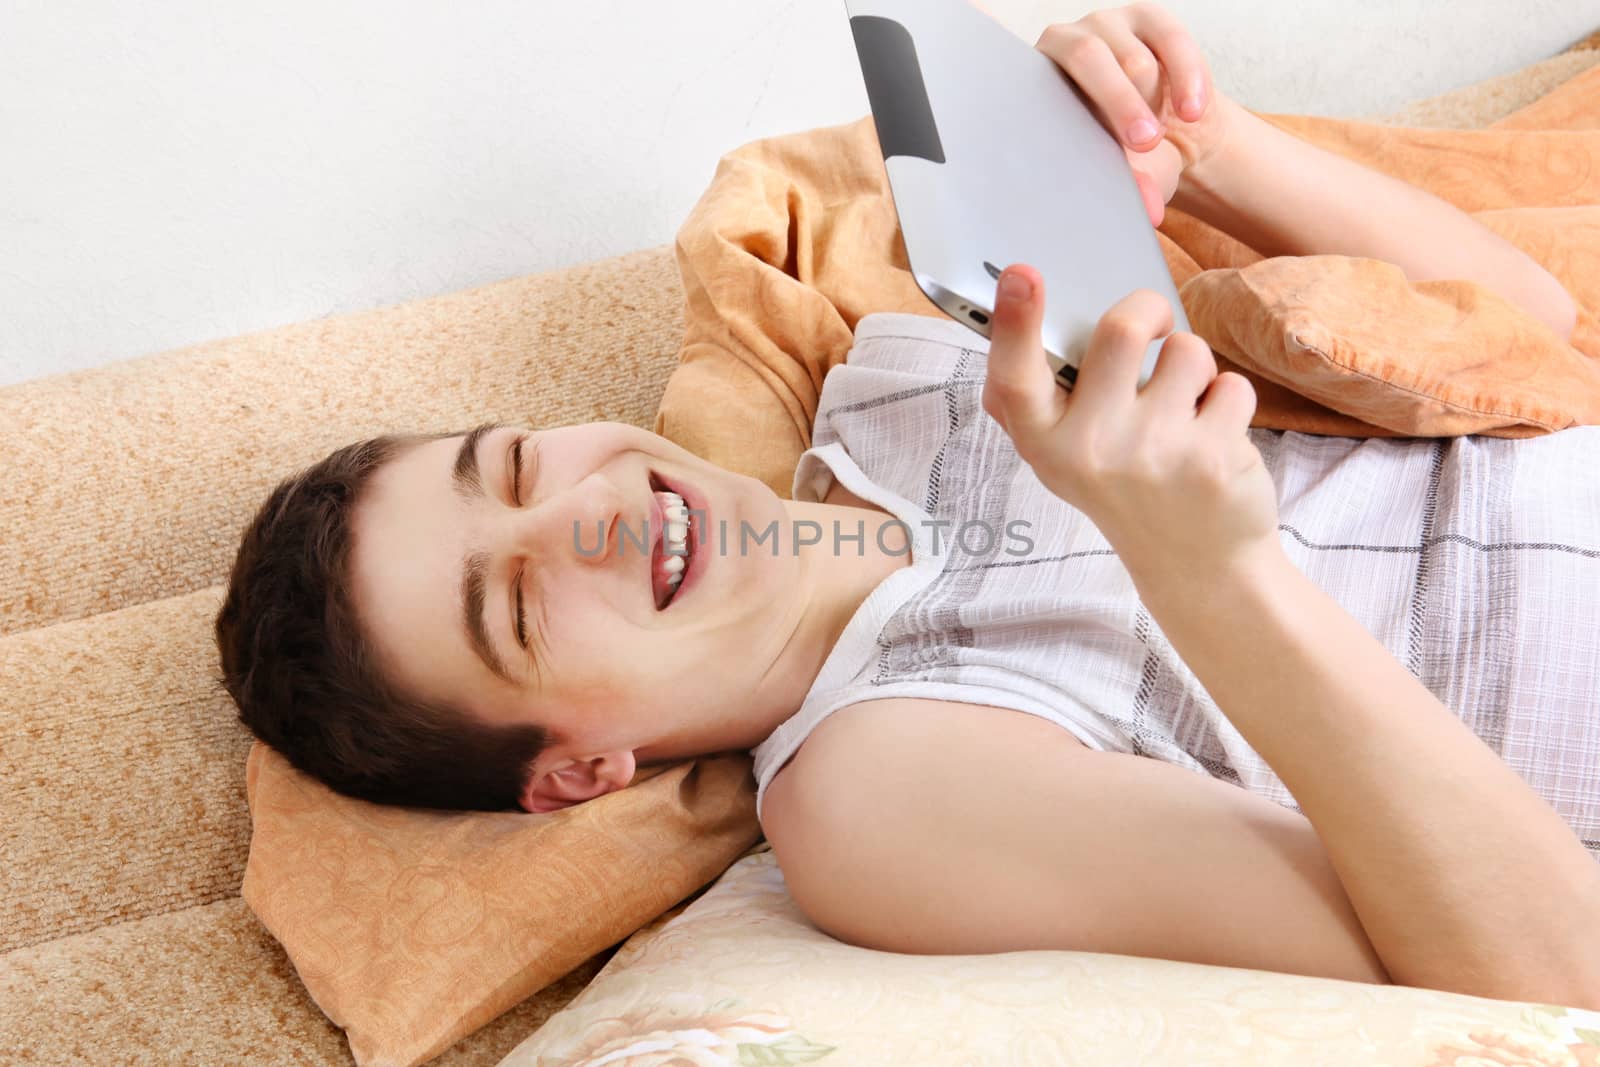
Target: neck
[(837, 573)]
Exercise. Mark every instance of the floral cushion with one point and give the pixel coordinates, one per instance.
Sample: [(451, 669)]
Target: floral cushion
[(739, 976)]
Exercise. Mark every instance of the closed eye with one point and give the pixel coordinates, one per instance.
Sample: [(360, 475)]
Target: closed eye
[(516, 470), (522, 622), (516, 498), (516, 466), (523, 637)]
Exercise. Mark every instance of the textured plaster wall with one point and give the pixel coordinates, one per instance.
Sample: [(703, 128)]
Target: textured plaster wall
[(180, 171)]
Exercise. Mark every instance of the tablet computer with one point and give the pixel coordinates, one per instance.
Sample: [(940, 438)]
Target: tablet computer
[(995, 156)]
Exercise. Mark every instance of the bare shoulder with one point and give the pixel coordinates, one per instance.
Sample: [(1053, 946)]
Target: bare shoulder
[(898, 751), (930, 826), (879, 735)]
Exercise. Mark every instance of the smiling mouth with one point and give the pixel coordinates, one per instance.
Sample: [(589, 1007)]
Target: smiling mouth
[(672, 547)]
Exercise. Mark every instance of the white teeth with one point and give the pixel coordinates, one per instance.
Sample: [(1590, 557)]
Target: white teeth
[(677, 516), (674, 537)]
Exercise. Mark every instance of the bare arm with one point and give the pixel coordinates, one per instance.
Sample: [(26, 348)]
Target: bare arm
[(1283, 196), (995, 831), (1392, 780), (1464, 878)]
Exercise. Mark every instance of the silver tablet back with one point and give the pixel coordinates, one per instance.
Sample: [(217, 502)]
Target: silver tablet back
[(994, 157)]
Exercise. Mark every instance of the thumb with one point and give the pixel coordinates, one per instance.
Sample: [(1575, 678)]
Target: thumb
[(1157, 172), (1020, 391), (1151, 195)]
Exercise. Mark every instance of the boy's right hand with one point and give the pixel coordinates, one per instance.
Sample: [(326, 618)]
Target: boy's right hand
[(1167, 473)]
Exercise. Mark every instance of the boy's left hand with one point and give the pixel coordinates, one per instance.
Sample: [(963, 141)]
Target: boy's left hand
[(1168, 473), (1151, 88)]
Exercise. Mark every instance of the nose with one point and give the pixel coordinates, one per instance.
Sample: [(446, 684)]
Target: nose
[(588, 523)]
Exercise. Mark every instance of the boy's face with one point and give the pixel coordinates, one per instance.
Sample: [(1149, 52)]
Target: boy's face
[(604, 666)]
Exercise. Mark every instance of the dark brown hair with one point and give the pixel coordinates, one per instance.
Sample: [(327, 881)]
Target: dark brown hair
[(307, 681)]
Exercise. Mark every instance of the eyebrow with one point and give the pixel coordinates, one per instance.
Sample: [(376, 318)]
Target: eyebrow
[(468, 484), (467, 480)]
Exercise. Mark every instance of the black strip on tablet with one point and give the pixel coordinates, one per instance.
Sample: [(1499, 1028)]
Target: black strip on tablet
[(895, 88)]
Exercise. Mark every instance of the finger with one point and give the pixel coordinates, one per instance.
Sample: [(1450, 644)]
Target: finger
[(1228, 405), (1087, 59), (1109, 374), (1185, 367), (1133, 56), (1157, 173), (1019, 389), (1188, 78), (1154, 205)]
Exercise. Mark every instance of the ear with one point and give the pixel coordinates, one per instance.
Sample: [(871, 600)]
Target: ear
[(575, 780)]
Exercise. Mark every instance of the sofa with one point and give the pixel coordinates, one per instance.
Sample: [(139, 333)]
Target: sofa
[(124, 830)]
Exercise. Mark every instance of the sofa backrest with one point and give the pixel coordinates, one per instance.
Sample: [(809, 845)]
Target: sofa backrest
[(131, 482), (126, 490)]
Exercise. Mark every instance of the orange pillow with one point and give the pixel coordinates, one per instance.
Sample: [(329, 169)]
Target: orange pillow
[(413, 928), (1368, 353)]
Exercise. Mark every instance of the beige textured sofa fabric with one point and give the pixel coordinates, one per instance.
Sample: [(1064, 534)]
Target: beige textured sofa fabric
[(206, 985), (1479, 105), (133, 480), (122, 796), (123, 825), (125, 829)]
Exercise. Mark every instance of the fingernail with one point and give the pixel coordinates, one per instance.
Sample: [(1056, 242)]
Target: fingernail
[(1142, 131), (1015, 287), (1194, 103)]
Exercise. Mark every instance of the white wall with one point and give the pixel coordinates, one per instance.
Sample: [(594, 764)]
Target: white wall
[(183, 170)]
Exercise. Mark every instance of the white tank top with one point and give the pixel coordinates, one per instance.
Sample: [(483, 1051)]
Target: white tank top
[(1475, 561)]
